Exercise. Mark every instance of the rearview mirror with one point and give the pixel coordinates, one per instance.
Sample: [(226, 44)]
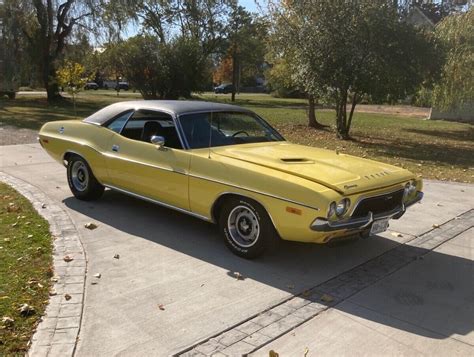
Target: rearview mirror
[(157, 140)]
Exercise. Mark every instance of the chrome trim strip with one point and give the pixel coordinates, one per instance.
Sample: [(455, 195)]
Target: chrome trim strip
[(418, 198), (125, 123), (323, 225), (254, 191), (199, 177), (166, 205)]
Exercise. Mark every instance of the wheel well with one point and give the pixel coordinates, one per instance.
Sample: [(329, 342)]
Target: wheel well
[(217, 206), (68, 155)]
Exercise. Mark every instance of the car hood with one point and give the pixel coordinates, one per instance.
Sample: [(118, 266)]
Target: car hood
[(343, 173)]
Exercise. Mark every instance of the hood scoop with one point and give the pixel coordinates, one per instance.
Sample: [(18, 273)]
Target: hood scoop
[(296, 160)]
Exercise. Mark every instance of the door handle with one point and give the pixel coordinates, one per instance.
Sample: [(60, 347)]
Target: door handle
[(115, 148)]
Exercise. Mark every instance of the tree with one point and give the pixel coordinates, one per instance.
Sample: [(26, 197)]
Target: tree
[(245, 42), (347, 50), (160, 70), (47, 25), (434, 10), (72, 77), (456, 86), (223, 72)]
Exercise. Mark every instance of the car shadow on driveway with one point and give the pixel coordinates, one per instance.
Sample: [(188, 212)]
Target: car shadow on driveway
[(431, 296)]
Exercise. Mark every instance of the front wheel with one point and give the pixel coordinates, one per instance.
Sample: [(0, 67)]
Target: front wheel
[(82, 181), (246, 228)]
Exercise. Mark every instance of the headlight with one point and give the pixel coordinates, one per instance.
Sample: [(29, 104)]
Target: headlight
[(332, 209), (339, 209), (410, 188), (342, 207)]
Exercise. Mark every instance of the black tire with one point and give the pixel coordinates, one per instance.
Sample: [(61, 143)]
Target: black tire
[(262, 235), (82, 181)]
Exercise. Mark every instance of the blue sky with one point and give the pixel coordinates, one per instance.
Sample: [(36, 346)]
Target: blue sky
[(250, 5)]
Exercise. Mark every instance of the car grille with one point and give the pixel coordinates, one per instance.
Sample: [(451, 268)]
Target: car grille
[(379, 204)]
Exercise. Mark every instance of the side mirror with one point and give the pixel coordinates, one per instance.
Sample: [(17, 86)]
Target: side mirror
[(159, 141)]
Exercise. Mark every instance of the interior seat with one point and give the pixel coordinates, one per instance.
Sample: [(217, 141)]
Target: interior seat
[(151, 128)]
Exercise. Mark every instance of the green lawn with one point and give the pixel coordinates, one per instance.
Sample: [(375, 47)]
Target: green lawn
[(434, 149), (25, 270)]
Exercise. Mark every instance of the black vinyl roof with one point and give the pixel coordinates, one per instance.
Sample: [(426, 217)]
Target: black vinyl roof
[(176, 107)]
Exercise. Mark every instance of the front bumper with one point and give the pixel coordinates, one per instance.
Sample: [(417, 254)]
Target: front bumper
[(323, 225)]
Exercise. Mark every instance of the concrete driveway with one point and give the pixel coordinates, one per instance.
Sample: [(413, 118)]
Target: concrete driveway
[(170, 259)]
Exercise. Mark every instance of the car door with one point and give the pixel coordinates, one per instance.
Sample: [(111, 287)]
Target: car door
[(142, 168)]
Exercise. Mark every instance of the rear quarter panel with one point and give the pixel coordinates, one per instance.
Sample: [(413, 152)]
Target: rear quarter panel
[(84, 139)]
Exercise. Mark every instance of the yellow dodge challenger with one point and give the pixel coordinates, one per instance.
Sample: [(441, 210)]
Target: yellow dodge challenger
[(226, 165)]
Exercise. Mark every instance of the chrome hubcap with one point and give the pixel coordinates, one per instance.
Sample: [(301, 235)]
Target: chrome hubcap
[(79, 176), (243, 226)]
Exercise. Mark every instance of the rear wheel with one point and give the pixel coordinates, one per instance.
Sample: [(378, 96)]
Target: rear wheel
[(246, 228), (82, 181)]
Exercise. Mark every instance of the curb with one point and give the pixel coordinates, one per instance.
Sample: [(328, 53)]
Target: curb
[(57, 333)]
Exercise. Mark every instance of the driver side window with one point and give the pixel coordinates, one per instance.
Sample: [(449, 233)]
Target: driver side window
[(146, 123)]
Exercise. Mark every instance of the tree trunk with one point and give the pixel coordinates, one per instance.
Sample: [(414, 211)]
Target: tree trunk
[(234, 76), (341, 113), (49, 81), (312, 122), (353, 105)]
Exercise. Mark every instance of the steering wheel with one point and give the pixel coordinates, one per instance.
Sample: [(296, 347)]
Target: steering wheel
[(240, 132)]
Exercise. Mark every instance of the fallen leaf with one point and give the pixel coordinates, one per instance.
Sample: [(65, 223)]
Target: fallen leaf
[(67, 297), (30, 235), (435, 225), (90, 225), (327, 298), (238, 276), (396, 234), (306, 293), (439, 204), (7, 321), (117, 256), (19, 259), (98, 275), (305, 352), (40, 286), (161, 307), (7, 239), (12, 207), (273, 354), (26, 310), (95, 282), (53, 292), (43, 205), (15, 224), (68, 259), (55, 279)]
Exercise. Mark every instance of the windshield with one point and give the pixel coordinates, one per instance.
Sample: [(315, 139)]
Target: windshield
[(226, 128)]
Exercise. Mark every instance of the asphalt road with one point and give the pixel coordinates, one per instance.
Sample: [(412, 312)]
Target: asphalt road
[(179, 262)]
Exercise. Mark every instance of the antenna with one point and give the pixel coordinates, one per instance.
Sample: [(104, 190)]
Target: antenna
[(210, 138)]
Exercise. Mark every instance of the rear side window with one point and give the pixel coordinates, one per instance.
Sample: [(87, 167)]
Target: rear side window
[(118, 123)]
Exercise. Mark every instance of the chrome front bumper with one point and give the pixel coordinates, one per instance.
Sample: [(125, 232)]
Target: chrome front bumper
[(323, 225)]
